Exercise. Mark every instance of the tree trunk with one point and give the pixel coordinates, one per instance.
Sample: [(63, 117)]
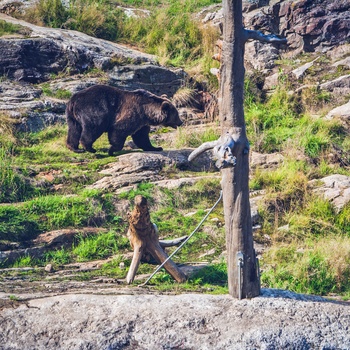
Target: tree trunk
[(243, 274), (143, 238)]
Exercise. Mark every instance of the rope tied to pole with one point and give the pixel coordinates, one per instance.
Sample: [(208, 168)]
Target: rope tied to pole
[(184, 242)]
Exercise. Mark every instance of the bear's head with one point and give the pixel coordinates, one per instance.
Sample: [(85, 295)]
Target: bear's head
[(170, 115)]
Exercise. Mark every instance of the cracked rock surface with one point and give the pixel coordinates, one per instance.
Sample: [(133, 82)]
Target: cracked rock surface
[(275, 320)]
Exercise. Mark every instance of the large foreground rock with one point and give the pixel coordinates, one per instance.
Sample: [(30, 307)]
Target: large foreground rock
[(276, 320)]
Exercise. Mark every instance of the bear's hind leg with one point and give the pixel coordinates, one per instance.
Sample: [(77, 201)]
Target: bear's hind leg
[(117, 140), (88, 137), (74, 132), (141, 139)]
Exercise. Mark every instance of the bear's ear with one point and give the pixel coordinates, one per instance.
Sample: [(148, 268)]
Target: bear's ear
[(165, 108)]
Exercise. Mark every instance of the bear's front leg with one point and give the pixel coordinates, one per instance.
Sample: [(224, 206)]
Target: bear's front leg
[(141, 139)]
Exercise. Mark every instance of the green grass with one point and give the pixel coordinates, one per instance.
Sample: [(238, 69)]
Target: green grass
[(25, 221), (276, 125), (59, 93), (144, 189), (211, 279), (170, 31), (93, 247), (100, 247), (9, 28), (25, 160), (58, 257), (318, 267), (194, 138)]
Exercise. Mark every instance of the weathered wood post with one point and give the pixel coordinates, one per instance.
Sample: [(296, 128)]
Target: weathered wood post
[(232, 151), (243, 275), (143, 238)]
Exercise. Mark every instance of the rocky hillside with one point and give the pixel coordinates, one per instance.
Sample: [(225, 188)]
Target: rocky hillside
[(86, 305)]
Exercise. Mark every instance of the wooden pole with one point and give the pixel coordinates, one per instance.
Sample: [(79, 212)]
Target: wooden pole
[(232, 152), (243, 274)]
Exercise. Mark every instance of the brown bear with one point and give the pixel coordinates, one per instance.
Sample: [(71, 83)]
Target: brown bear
[(120, 113)]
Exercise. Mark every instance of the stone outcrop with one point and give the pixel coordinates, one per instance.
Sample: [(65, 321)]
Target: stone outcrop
[(335, 188), (28, 107), (265, 160), (342, 112), (133, 168), (338, 86), (309, 26), (42, 52), (50, 51), (275, 320)]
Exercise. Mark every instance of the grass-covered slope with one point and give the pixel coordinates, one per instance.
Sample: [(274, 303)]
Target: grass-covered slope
[(43, 185), (43, 188)]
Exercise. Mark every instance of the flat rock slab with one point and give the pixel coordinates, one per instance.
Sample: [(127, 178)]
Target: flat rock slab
[(335, 188), (275, 320), (136, 167)]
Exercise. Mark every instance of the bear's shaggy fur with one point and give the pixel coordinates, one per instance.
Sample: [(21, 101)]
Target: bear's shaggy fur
[(120, 113)]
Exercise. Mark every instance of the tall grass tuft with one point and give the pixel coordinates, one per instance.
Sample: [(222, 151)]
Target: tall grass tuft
[(13, 186), (99, 247), (322, 267), (8, 28), (194, 138)]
